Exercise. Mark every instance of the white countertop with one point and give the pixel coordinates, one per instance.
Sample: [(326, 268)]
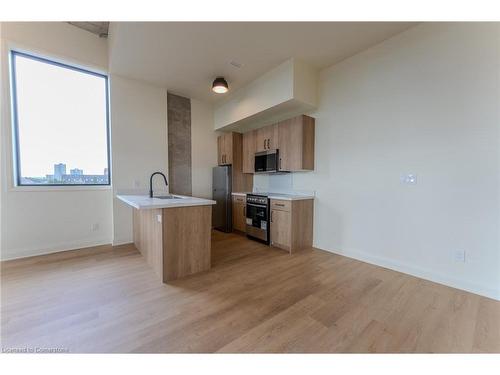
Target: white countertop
[(145, 202), (285, 197)]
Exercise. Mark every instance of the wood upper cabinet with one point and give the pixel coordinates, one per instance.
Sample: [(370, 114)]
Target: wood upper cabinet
[(225, 149), (266, 138), (229, 152), (249, 151), (292, 224), (239, 213), (296, 144)]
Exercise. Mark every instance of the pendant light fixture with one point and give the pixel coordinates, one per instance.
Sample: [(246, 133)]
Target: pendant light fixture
[(220, 85)]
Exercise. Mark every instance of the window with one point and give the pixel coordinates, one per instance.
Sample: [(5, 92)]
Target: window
[(61, 124)]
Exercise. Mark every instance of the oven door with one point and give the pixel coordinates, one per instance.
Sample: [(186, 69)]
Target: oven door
[(257, 221), (266, 161)]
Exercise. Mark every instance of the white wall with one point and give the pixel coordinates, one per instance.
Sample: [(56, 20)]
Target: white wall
[(139, 145), (35, 221), (426, 102), (203, 148)]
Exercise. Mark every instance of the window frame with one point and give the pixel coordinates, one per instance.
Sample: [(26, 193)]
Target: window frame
[(16, 162)]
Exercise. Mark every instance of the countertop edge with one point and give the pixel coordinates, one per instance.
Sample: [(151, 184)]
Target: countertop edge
[(169, 204), (288, 197)]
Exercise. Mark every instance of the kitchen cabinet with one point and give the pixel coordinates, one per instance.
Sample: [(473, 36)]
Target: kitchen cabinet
[(239, 213), (225, 148), (296, 144), (292, 224), (249, 151), (266, 138), (229, 152)]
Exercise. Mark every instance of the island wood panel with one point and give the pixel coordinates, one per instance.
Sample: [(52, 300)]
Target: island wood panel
[(186, 241), (148, 237)]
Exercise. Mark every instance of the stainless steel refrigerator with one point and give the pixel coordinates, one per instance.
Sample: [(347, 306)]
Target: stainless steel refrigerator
[(221, 193)]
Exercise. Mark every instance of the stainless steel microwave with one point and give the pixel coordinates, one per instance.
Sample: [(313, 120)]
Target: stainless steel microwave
[(267, 161)]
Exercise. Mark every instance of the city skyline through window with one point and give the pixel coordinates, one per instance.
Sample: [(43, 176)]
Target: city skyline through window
[(60, 123)]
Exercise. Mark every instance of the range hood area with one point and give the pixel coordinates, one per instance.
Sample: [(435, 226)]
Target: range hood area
[(288, 90)]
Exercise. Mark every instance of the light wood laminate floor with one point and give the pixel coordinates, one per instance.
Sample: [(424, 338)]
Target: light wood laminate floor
[(255, 299)]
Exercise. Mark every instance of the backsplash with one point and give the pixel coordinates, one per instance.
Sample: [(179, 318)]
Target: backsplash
[(277, 183)]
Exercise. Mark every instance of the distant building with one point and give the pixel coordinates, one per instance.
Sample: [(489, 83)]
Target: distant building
[(84, 179), (59, 171), (76, 172)]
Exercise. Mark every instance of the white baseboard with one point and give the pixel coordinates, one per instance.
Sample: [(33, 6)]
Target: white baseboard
[(122, 242), (421, 273), (10, 254)]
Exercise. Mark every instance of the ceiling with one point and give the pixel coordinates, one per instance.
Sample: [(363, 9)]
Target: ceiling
[(185, 57), (98, 28)]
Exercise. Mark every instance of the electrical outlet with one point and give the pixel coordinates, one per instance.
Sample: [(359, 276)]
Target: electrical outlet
[(408, 179), (158, 218), (95, 227), (459, 256)]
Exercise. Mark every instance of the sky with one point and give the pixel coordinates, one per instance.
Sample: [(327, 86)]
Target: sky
[(61, 119)]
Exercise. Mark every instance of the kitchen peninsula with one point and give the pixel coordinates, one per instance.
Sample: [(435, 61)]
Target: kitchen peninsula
[(173, 233)]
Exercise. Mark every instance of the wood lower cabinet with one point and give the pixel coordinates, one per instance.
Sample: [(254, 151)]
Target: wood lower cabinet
[(281, 226), (292, 224), (239, 213), (296, 144), (249, 151)]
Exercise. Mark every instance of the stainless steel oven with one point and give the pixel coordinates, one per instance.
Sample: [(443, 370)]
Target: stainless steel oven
[(258, 217), (266, 161)]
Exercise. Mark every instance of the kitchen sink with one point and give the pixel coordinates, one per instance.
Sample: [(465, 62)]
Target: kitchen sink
[(167, 197)]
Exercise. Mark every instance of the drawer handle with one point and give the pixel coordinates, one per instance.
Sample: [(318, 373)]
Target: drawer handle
[(279, 204)]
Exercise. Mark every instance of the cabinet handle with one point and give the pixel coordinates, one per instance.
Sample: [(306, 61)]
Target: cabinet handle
[(280, 165), (245, 211), (271, 216), (264, 144), (279, 204), (268, 145)]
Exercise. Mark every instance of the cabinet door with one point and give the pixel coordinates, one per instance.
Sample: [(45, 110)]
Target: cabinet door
[(290, 140), (296, 144), (249, 152), (273, 138), (281, 227), (220, 150), (261, 139), (228, 148), (267, 138), (239, 216)]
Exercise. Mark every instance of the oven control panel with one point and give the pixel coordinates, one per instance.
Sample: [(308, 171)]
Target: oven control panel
[(258, 199)]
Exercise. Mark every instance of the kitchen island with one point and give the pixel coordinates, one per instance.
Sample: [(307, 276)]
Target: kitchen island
[(173, 233)]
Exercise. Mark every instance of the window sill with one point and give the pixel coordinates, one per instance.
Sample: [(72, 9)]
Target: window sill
[(19, 189)]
